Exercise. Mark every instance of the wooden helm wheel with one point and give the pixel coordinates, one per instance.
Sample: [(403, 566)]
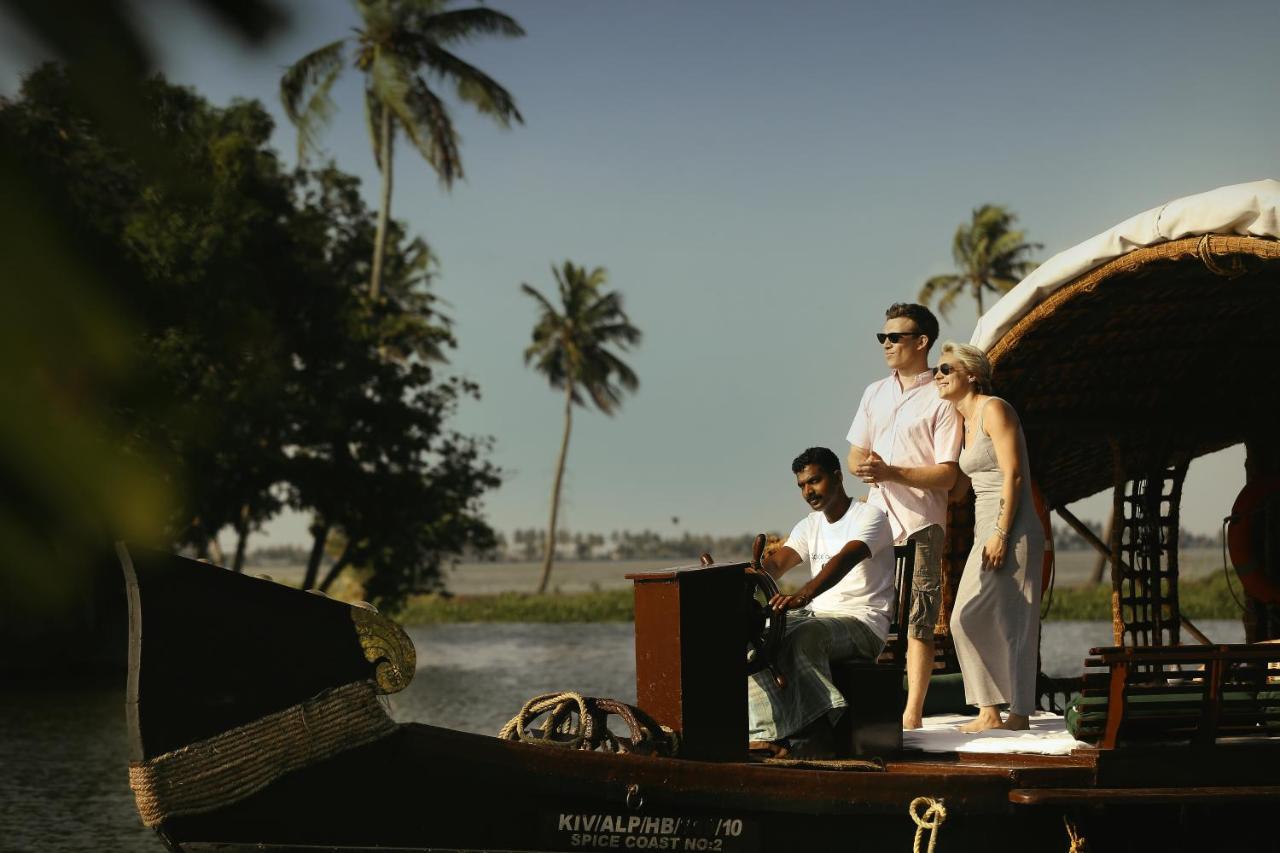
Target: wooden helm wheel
[(764, 628)]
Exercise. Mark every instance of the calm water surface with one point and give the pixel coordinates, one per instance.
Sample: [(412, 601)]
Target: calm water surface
[(63, 761)]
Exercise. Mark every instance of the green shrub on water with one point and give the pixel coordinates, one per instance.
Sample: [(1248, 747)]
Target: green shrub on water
[(1204, 598), (595, 606)]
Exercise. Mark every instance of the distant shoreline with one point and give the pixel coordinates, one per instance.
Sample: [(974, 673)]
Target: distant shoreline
[(572, 576), (599, 592)]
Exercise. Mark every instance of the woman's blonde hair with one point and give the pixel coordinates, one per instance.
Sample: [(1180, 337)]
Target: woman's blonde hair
[(974, 361)]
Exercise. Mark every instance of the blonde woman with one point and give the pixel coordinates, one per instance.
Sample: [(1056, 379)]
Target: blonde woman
[(995, 623)]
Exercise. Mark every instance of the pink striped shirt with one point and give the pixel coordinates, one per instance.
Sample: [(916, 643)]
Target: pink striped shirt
[(909, 427)]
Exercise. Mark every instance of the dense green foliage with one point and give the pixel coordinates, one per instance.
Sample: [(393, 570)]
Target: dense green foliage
[(227, 361)]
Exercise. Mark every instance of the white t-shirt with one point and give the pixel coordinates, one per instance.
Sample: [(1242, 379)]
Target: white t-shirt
[(867, 590)]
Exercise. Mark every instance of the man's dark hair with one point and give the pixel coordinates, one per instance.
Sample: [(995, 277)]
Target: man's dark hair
[(918, 314), (820, 456)]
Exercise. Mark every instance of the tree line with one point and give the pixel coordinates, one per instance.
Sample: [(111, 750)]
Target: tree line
[(213, 339), (253, 371)]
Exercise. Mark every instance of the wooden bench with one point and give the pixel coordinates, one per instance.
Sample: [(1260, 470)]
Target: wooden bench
[(872, 722), (1181, 693)]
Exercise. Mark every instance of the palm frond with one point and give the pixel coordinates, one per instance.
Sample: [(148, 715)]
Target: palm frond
[(465, 24), (544, 303), (419, 112), (937, 284), (948, 300), (434, 129), (615, 366), (311, 80), (621, 333), (473, 86)]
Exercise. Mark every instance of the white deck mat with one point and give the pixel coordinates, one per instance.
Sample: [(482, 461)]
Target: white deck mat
[(1251, 209), (1047, 736)]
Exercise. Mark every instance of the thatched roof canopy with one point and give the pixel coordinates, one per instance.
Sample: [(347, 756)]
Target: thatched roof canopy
[(1166, 350)]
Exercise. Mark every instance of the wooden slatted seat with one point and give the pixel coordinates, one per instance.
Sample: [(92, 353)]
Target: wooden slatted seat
[(1193, 693)]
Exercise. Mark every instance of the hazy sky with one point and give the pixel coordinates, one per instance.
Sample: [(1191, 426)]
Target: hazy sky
[(761, 180)]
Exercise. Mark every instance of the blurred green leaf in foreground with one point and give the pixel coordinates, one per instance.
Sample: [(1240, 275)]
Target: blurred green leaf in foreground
[(69, 472)]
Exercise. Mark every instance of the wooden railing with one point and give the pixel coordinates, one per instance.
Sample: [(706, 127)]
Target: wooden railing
[(1195, 693)]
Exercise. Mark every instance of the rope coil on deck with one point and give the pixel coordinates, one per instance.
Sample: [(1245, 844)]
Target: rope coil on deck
[(932, 818), (575, 721), (224, 769)]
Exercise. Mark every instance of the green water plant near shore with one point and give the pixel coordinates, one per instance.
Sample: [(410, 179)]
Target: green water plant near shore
[(1204, 598)]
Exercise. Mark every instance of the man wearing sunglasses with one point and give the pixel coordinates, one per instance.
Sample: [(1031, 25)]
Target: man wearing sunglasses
[(904, 443)]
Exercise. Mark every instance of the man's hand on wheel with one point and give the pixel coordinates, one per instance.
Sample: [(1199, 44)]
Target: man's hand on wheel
[(794, 601)]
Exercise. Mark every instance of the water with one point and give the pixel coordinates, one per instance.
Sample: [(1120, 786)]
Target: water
[(63, 761)]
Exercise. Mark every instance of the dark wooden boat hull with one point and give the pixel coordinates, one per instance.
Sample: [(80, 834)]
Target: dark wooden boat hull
[(426, 788)]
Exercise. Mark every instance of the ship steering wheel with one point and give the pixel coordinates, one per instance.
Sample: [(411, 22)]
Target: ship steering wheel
[(764, 627)]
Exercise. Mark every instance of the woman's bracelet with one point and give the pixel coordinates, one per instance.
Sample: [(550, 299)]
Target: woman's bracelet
[(1001, 532)]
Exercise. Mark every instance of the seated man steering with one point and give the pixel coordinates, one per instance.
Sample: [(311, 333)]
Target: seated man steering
[(841, 613)]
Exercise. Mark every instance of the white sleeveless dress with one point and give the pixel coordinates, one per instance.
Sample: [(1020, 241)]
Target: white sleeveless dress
[(996, 620)]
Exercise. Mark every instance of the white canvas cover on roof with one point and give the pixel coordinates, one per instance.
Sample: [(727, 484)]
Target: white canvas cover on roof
[(1251, 210)]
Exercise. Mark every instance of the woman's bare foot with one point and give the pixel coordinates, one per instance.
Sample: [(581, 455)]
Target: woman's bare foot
[(988, 718), (911, 722), (1016, 722)]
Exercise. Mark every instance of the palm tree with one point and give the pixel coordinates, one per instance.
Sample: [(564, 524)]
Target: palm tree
[(989, 255), (571, 349), (398, 42)]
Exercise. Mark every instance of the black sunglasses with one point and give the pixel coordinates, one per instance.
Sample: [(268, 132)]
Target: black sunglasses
[(894, 337), (944, 369)]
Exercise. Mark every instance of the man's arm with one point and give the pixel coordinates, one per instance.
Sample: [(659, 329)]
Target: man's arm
[(853, 553), (780, 562), (940, 475), (859, 436), (857, 455)]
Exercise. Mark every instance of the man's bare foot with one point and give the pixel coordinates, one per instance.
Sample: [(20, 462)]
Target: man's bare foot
[(1016, 722), (909, 722), (988, 718)]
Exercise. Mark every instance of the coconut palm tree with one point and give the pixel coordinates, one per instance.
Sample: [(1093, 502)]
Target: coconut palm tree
[(398, 47), (989, 255), (570, 348)]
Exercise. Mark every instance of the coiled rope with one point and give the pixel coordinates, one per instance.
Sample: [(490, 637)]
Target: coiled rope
[(932, 818), (575, 721)]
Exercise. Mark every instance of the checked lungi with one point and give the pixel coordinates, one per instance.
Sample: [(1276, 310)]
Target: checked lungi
[(809, 646)]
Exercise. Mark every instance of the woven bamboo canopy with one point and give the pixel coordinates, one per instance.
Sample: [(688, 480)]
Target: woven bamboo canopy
[(1151, 356)]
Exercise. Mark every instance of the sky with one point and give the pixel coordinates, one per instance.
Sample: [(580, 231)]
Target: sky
[(761, 180)]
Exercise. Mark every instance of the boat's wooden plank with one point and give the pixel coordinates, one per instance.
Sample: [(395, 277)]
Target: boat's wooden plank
[(1250, 762), (1144, 796)]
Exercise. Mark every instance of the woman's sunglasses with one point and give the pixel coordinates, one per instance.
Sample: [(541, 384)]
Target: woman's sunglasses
[(894, 337), (944, 369)]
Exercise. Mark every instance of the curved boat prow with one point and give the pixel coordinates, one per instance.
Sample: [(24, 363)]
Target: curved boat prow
[(210, 649), (235, 682)]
